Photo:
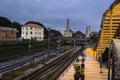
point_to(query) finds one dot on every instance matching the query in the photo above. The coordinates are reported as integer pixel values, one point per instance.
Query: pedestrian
(83, 59)
(76, 66)
(77, 75)
(82, 75)
(83, 65)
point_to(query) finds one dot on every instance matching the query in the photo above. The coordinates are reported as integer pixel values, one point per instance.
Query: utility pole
(29, 46)
(49, 39)
(74, 43)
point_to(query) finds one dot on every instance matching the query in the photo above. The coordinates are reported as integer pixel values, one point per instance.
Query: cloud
(55, 12)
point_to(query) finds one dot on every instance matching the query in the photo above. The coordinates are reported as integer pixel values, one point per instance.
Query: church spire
(67, 25)
(68, 32)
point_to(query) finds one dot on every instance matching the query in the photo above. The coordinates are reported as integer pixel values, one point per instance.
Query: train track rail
(52, 70)
(12, 65)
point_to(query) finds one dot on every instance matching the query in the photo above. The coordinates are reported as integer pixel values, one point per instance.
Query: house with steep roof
(32, 31)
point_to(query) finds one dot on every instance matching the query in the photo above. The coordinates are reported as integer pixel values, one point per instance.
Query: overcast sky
(81, 13)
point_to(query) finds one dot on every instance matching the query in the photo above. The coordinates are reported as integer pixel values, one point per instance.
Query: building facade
(68, 32)
(88, 31)
(32, 31)
(7, 33)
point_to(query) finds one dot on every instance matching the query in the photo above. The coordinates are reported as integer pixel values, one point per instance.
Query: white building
(88, 31)
(32, 31)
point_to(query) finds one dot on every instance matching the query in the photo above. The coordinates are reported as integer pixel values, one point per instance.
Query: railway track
(12, 65)
(52, 70)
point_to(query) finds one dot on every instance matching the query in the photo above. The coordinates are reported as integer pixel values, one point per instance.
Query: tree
(5, 22)
(18, 27)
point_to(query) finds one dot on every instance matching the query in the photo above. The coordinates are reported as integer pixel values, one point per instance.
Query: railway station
(75, 56)
(92, 70)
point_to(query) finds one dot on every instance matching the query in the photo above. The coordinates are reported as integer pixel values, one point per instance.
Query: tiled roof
(32, 25)
(7, 28)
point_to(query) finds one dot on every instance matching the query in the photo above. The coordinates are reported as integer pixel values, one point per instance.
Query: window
(31, 33)
(26, 28)
(26, 33)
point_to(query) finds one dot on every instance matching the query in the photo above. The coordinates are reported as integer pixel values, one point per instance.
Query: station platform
(92, 70)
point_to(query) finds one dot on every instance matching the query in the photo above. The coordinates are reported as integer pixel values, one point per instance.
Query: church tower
(67, 25)
(68, 32)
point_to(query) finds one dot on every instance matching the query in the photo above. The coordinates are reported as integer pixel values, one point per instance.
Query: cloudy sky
(53, 13)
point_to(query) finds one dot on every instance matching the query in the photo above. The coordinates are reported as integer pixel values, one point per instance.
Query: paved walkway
(92, 70)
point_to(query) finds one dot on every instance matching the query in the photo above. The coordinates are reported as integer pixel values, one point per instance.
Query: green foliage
(18, 27)
(5, 22)
(16, 50)
(55, 33)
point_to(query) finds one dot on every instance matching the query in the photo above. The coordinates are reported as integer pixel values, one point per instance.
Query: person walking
(76, 65)
(77, 75)
(82, 75)
(83, 65)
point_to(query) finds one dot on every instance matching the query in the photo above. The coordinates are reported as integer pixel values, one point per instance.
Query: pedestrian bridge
(107, 48)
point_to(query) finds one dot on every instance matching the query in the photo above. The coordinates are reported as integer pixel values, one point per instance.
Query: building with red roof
(32, 31)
